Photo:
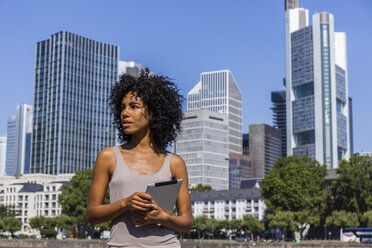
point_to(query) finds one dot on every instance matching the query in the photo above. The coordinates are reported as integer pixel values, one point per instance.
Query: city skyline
(181, 41)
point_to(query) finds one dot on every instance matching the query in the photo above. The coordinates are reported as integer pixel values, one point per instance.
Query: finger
(141, 204)
(144, 196)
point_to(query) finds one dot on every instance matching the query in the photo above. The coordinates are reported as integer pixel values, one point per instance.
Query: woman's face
(134, 115)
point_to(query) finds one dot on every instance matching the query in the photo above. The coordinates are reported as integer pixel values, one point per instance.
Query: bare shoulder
(107, 153)
(177, 165)
(177, 160)
(106, 159)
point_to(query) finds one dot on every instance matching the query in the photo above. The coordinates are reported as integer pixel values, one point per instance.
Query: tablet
(165, 193)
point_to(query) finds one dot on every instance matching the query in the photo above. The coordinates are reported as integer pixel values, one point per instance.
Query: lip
(126, 123)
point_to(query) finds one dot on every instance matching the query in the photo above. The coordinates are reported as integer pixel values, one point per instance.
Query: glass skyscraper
(19, 141)
(218, 91)
(72, 121)
(317, 103)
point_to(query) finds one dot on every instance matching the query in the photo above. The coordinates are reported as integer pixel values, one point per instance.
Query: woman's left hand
(155, 215)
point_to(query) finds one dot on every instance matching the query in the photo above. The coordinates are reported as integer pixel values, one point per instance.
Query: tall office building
(19, 141)
(72, 121)
(264, 148)
(2, 155)
(279, 116)
(218, 91)
(203, 144)
(316, 87)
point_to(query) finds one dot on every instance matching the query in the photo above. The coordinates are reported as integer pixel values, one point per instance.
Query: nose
(124, 113)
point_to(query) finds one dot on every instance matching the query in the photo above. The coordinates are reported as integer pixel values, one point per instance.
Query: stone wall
(207, 244)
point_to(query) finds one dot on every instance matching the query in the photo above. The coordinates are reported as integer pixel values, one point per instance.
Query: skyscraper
(264, 148)
(72, 122)
(203, 144)
(279, 116)
(2, 155)
(316, 87)
(19, 141)
(218, 91)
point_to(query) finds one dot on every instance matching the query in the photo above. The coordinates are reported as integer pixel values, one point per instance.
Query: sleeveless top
(124, 232)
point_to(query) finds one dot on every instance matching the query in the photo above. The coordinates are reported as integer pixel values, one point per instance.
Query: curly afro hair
(162, 100)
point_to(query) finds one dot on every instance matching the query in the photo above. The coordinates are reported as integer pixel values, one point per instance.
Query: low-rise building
(228, 204)
(33, 195)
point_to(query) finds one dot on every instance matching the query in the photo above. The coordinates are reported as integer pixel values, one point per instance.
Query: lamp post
(325, 231)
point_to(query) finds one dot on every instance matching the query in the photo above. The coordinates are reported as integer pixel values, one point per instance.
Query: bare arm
(97, 212)
(184, 220)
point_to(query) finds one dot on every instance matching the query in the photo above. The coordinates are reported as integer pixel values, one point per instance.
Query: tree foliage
(342, 219)
(295, 185)
(12, 225)
(2, 225)
(74, 197)
(367, 218)
(46, 226)
(201, 187)
(66, 222)
(284, 220)
(8, 211)
(252, 224)
(352, 191)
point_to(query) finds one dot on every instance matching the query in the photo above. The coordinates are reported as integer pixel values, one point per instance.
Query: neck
(142, 142)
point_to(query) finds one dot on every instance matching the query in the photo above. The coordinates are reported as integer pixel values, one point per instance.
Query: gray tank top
(125, 182)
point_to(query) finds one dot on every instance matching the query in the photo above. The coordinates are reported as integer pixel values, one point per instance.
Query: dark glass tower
(279, 116)
(72, 122)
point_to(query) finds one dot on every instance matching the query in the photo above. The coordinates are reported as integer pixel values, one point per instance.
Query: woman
(147, 114)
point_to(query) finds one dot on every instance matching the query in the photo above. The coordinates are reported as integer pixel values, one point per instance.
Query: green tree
(46, 226)
(74, 197)
(200, 225)
(12, 225)
(8, 211)
(295, 185)
(2, 225)
(201, 187)
(283, 220)
(66, 222)
(342, 219)
(252, 224)
(352, 191)
(367, 218)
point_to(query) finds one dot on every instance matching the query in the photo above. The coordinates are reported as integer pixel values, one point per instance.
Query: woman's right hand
(139, 201)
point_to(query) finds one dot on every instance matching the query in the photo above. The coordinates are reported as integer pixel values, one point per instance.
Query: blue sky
(181, 39)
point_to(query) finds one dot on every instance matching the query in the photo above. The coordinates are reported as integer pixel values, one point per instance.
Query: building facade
(33, 195)
(264, 148)
(228, 204)
(19, 135)
(203, 144)
(2, 155)
(279, 116)
(317, 103)
(240, 167)
(218, 91)
(72, 121)
(130, 68)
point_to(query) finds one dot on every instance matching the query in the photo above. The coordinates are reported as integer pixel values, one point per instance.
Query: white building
(203, 144)
(33, 195)
(2, 155)
(131, 68)
(19, 141)
(218, 91)
(316, 87)
(228, 204)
